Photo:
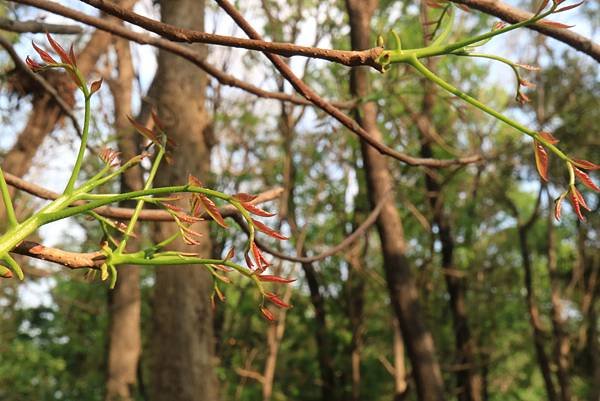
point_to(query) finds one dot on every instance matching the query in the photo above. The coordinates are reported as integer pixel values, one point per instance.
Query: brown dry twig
(189, 54)
(514, 15)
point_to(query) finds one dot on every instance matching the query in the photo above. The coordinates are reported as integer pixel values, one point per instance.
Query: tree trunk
(534, 316)
(401, 285)
(124, 337)
(468, 379)
(182, 339)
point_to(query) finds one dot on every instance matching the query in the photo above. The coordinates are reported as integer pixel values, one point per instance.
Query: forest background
(457, 282)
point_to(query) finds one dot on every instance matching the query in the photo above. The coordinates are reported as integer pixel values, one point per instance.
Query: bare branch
(176, 34)
(38, 27)
(333, 111)
(189, 54)
(514, 15)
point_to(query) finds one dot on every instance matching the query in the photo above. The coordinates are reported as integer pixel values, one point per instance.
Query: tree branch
(515, 15)
(121, 213)
(38, 27)
(333, 111)
(346, 57)
(189, 54)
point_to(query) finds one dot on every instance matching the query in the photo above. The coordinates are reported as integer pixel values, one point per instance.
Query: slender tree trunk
(534, 316)
(124, 301)
(401, 285)
(468, 378)
(400, 383)
(562, 344)
(182, 339)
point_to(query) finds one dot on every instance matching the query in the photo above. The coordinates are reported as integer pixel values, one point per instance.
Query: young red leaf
(248, 261)
(555, 25)
(230, 254)
(244, 197)
(569, 7)
(276, 300)
(72, 56)
(528, 67)
(212, 210)
(267, 314)
(157, 120)
(549, 137)
(95, 87)
(575, 204)
(586, 165)
(275, 279)
(541, 160)
(558, 207)
(219, 294)
(64, 57)
(543, 5)
(261, 262)
(33, 65)
(43, 54)
(580, 198)
(268, 230)
(144, 131)
(192, 180)
(256, 210)
(586, 180)
(222, 268)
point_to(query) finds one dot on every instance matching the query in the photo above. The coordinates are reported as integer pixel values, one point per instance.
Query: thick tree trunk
(124, 336)
(182, 339)
(401, 285)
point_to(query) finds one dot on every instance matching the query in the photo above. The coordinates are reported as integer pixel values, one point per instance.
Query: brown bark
(182, 339)
(401, 285)
(124, 302)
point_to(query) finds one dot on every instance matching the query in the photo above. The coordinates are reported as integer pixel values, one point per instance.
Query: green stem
(10, 210)
(83, 144)
(140, 204)
(469, 99)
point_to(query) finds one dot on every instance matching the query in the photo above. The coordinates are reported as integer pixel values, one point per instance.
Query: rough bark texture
(182, 339)
(401, 285)
(124, 336)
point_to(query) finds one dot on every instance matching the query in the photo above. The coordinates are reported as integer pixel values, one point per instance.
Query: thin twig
(333, 111)
(191, 55)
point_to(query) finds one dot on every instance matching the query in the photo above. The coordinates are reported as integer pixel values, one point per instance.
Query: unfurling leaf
(549, 137)
(44, 54)
(64, 57)
(575, 203)
(276, 300)
(144, 131)
(261, 262)
(528, 67)
(580, 198)
(569, 7)
(95, 87)
(275, 279)
(268, 230)
(212, 210)
(555, 25)
(244, 197)
(72, 56)
(267, 314)
(558, 206)
(33, 65)
(5, 272)
(586, 180)
(541, 160)
(256, 210)
(586, 165)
